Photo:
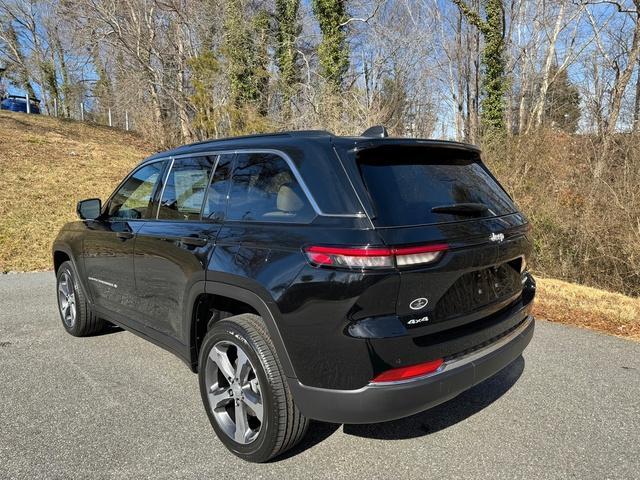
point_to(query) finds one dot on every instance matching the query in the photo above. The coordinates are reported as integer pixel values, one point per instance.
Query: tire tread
(87, 322)
(292, 425)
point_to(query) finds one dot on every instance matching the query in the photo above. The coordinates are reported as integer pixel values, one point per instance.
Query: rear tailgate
(421, 194)
(475, 277)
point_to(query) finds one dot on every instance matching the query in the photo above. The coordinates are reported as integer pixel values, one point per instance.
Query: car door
(107, 250)
(172, 250)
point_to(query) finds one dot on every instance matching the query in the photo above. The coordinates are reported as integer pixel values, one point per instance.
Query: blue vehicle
(16, 103)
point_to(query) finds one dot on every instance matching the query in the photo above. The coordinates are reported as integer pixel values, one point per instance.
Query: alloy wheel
(234, 392)
(67, 299)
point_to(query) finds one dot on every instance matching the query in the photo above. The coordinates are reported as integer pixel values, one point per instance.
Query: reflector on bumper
(406, 373)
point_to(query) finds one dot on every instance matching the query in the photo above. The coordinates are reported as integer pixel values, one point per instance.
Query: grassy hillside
(588, 307)
(47, 165)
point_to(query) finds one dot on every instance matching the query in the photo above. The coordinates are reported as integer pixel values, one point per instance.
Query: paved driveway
(115, 406)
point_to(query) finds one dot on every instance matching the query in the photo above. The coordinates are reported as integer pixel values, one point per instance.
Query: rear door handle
(194, 241)
(124, 235)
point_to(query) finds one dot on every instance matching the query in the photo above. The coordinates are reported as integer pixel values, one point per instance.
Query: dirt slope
(46, 166)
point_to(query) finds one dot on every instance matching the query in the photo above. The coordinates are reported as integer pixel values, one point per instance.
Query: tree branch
(473, 16)
(364, 19)
(614, 3)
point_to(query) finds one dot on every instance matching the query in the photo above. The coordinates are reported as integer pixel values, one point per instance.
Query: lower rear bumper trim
(390, 401)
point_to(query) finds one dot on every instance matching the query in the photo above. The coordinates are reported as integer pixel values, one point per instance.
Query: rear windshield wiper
(468, 209)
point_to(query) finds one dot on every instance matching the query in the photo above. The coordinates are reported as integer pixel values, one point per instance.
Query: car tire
(240, 377)
(75, 312)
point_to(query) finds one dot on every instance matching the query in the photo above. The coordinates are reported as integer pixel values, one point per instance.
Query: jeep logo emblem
(418, 303)
(496, 237)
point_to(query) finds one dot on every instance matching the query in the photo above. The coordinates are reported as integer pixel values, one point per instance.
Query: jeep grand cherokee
(304, 276)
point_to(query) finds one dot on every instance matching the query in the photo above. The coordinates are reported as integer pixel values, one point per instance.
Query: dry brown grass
(588, 307)
(46, 166)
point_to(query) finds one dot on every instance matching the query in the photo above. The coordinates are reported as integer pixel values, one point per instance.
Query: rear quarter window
(264, 189)
(406, 183)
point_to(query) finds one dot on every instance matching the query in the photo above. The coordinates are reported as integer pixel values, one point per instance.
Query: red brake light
(406, 373)
(350, 257)
(374, 257)
(435, 247)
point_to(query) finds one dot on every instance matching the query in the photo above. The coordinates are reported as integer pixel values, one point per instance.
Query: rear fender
(266, 308)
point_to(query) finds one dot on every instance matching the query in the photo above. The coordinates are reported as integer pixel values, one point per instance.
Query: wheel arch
(257, 303)
(62, 253)
(59, 257)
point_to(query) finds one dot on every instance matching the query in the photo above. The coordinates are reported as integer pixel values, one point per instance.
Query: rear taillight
(374, 257)
(350, 257)
(407, 373)
(419, 255)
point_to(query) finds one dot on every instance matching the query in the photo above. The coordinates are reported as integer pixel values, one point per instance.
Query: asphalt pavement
(116, 406)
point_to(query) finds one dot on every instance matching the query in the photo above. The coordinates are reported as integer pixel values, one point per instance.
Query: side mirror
(89, 209)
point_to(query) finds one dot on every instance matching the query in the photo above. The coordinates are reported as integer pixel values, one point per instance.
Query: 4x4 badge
(496, 237)
(418, 303)
(415, 321)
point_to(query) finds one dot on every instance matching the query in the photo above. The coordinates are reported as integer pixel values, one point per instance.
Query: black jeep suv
(307, 276)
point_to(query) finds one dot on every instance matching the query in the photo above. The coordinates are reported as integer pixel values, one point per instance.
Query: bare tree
(624, 73)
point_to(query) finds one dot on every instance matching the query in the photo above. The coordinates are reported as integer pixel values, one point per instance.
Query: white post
(28, 103)
(82, 111)
(55, 107)
(126, 120)
(110, 124)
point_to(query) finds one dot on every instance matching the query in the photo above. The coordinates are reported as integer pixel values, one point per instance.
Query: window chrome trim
(164, 184)
(353, 187)
(272, 151)
(206, 193)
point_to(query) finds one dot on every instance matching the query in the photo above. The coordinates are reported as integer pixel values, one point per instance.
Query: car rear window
(405, 183)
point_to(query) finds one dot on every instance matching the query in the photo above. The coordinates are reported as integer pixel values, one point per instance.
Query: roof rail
(377, 131)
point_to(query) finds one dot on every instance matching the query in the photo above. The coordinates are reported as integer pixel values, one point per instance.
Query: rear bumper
(382, 402)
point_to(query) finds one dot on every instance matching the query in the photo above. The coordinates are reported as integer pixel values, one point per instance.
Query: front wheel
(75, 312)
(244, 391)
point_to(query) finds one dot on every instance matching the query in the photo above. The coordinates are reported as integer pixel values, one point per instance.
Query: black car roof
(293, 138)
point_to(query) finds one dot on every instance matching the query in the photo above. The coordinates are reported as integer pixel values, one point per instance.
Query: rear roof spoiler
(363, 143)
(377, 131)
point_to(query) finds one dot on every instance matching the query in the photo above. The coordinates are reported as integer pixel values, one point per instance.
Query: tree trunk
(183, 115)
(64, 72)
(538, 109)
(459, 92)
(623, 80)
(474, 106)
(636, 106)
(157, 111)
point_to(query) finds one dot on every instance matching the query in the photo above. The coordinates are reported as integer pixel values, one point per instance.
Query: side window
(133, 198)
(183, 192)
(264, 189)
(216, 203)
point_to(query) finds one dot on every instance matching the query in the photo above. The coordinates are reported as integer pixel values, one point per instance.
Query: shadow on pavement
(318, 431)
(108, 330)
(433, 420)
